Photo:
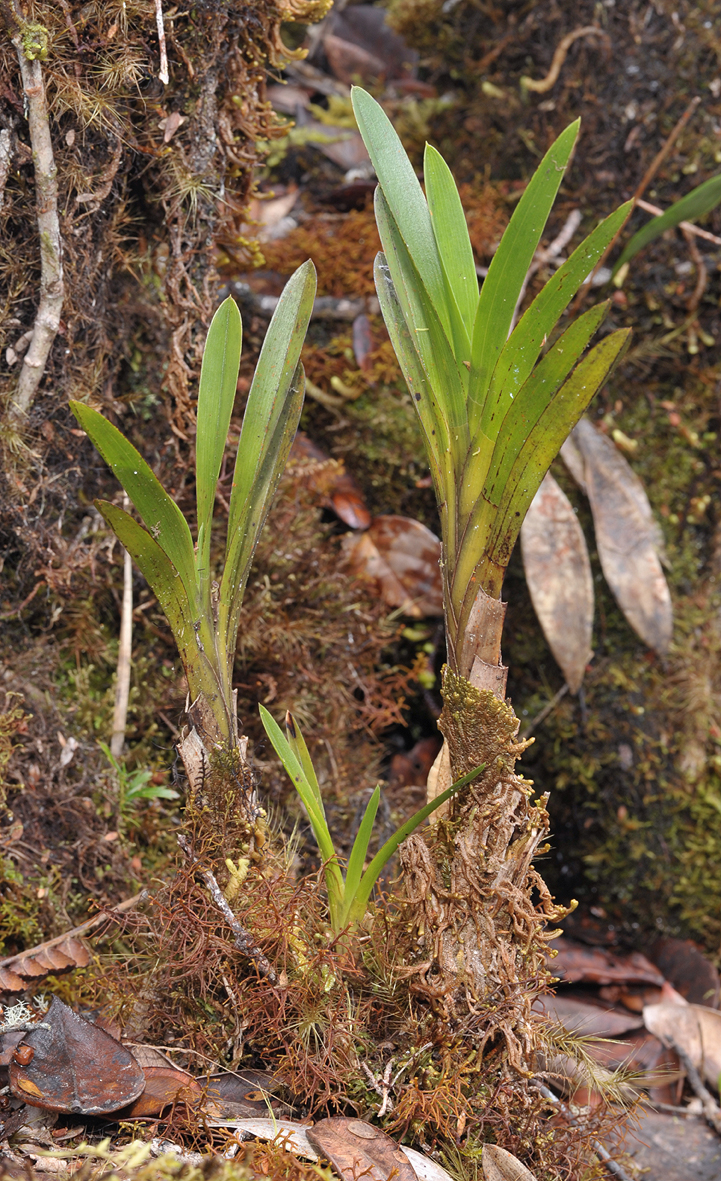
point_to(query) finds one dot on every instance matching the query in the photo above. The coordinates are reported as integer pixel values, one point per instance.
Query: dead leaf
(688, 970)
(360, 43)
(558, 573)
(585, 1017)
(77, 1067)
(400, 557)
(362, 341)
(334, 485)
(164, 1086)
(357, 1149)
(500, 1165)
(694, 1028)
(243, 1093)
(655, 1068)
(628, 537)
(575, 962)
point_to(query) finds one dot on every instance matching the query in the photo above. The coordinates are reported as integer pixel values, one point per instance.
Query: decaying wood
(47, 318)
(479, 933)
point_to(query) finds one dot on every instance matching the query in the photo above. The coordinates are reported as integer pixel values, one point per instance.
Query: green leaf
(160, 514)
(356, 903)
(331, 869)
(535, 395)
(503, 283)
(269, 426)
(546, 437)
(695, 204)
(297, 744)
(451, 233)
(521, 350)
(431, 342)
(360, 847)
(404, 196)
(216, 395)
(161, 576)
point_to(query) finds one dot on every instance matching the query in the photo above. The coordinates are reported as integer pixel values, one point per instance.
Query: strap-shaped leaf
(360, 845)
(695, 204)
(546, 438)
(451, 233)
(270, 459)
(161, 576)
(431, 341)
(159, 513)
(503, 283)
(419, 387)
(526, 341)
(404, 195)
(535, 395)
(297, 743)
(216, 395)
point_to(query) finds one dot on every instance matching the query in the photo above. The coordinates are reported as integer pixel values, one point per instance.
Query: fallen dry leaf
(400, 557)
(627, 535)
(164, 1086)
(357, 1149)
(583, 1016)
(332, 483)
(558, 573)
(694, 1028)
(360, 43)
(655, 1068)
(500, 1165)
(76, 1067)
(688, 970)
(576, 963)
(243, 1093)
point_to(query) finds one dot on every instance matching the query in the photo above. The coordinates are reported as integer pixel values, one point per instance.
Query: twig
(244, 941)
(386, 1084)
(701, 273)
(125, 652)
(6, 155)
(163, 74)
(559, 58)
(47, 319)
(682, 225)
(711, 1109)
(613, 1166)
(543, 714)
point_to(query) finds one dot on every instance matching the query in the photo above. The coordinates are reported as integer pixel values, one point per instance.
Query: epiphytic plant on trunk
(204, 612)
(494, 409)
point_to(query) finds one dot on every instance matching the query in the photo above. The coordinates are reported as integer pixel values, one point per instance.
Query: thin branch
(559, 57)
(163, 74)
(125, 652)
(682, 225)
(711, 1109)
(6, 155)
(244, 941)
(47, 319)
(613, 1166)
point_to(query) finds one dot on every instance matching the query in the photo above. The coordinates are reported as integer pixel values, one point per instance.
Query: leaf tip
(290, 724)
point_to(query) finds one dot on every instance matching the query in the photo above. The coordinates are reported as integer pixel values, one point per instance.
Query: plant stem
(47, 319)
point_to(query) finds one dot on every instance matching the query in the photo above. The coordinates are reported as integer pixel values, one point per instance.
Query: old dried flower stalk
(494, 409)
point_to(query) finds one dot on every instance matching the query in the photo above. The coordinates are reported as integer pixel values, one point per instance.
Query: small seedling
(135, 785)
(348, 896)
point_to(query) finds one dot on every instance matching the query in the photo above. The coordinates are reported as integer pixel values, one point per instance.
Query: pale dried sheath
(125, 648)
(47, 319)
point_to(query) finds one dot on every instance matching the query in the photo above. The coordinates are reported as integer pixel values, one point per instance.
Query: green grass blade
(695, 204)
(159, 513)
(360, 847)
(521, 350)
(355, 905)
(451, 233)
(535, 395)
(331, 869)
(546, 438)
(404, 195)
(426, 330)
(297, 744)
(159, 573)
(503, 283)
(216, 395)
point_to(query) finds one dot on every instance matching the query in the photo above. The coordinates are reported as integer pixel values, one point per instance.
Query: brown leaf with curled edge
(579, 1014)
(558, 573)
(357, 1149)
(76, 1067)
(693, 1028)
(628, 537)
(689, 971)
(577, 963)
(400, 557)
(242, 1093)
(164, 1087)
(328, 478)
(500, 1165)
